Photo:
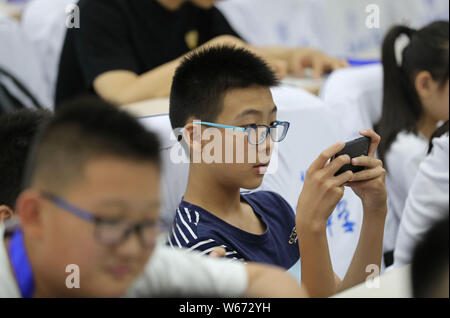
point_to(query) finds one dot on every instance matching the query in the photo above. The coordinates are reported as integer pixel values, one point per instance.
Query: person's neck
(426, 126)
(206, 192)
(171, 5)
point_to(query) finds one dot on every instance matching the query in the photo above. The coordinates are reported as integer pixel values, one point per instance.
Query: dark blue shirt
(197, 229)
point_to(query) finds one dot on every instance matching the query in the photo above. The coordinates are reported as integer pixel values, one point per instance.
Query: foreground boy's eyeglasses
(113, 232)
(257, 134)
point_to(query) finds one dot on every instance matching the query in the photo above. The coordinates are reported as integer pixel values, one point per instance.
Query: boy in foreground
(90, 207)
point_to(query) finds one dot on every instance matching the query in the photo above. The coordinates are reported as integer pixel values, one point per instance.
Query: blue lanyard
(21, 264)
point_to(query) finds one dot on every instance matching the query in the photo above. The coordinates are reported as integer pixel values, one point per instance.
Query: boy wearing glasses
(89, 220)
(224, 92)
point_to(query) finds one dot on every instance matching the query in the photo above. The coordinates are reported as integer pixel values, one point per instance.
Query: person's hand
(322, 191)
(369, 184)
(278, 66)
(301, 58)
(218, 252)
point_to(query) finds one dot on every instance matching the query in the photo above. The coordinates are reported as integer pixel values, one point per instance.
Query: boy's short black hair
(81, 130)
(17, 132)
(203, 78)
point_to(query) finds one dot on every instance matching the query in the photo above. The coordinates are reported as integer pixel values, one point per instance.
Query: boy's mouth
(261, 168)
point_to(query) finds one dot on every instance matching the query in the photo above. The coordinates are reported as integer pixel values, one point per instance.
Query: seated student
(127, 50)
(222, 90)
(427, 201)
(415, 64)
(17, 130)
(91, 205)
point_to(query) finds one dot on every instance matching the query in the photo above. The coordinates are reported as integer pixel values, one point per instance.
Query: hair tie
(400, 45)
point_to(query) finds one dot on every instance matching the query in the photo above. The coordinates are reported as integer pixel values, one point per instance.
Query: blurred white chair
(175, 164)
(355, 96)
(44, 23)
(22, 73)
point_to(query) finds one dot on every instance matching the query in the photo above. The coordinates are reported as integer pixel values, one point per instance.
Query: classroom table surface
(160, 106)
(393, 284)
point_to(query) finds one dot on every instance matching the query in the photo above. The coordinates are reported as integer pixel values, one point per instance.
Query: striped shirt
(195, 228)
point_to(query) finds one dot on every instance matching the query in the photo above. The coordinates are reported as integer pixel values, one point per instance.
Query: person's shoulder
(189, 231)
(406, 153)
(268, 200)
(92, 6)
(441, 143)
(408, 142)
(269, 196)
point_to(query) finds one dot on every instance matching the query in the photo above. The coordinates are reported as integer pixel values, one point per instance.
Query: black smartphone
(354, 148)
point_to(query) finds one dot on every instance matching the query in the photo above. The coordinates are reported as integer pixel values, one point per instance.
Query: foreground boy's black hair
(430, 262)
(17, 132)
(85, 129)
(204, 77)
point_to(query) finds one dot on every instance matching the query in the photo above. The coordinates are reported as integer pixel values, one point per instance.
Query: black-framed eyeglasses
(112, 232)
(257, 134)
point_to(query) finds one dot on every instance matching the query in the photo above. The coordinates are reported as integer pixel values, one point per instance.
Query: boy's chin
(253, 183)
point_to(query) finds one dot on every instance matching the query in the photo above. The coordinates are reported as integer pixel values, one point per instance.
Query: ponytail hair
(427, 50)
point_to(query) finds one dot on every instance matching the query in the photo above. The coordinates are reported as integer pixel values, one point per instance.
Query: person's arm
(270, 281)
(297, 59)
(125, 87)
(321, 193)
(427, 201)
(181, 273)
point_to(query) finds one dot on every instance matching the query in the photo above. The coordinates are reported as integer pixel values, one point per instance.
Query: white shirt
(402, 161)
(169, 272)
(8, 284)
(427, 201)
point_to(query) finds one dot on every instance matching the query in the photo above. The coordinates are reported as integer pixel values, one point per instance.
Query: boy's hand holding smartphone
(352, 164)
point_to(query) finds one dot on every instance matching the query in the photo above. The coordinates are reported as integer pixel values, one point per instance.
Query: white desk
(160, 106)
(393, 284)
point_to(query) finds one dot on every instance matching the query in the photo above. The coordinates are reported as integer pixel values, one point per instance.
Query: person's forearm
(157, 82)
(273, 52)
(369, 249)
(152, 84)
(317, 271)
(271, 282)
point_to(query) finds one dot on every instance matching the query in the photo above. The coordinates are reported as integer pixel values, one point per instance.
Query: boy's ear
(29, 211)
(5, 213)
(192, 136)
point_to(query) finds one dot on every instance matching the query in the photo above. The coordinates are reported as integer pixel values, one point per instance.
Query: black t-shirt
(132, 35)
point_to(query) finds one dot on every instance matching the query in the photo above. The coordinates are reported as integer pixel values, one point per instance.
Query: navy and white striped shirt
(197, 229)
